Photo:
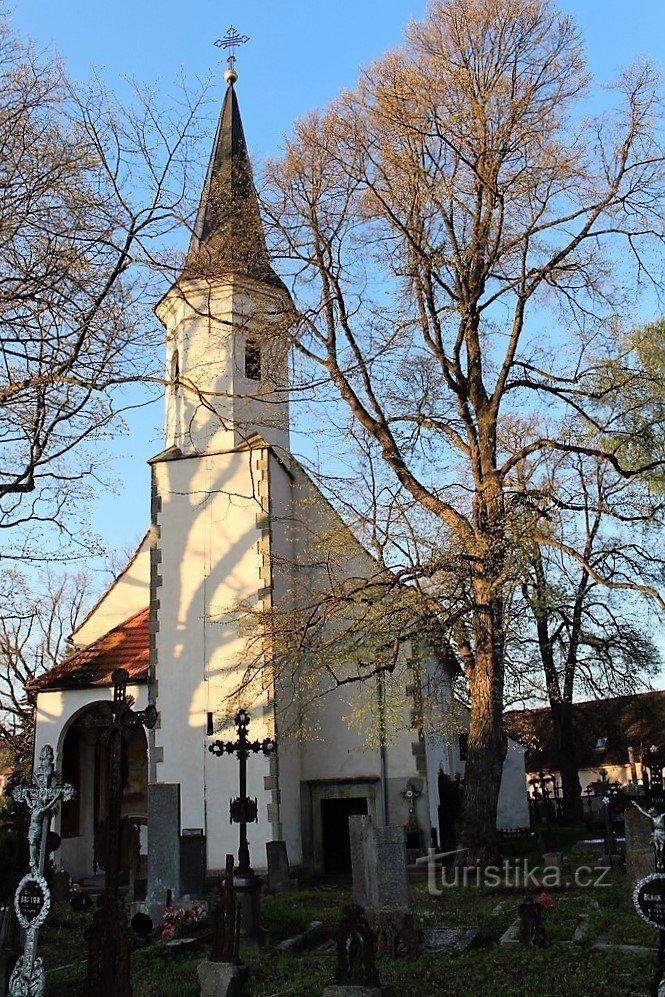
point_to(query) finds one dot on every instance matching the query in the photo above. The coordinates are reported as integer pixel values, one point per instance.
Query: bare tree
(89, 190)
(585, 579)
(39, 615)
(456, 230)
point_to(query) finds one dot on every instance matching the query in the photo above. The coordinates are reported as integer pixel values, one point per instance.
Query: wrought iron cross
(230, 41)
(117, 718)
(411, 794)
(243, 810)
(109, 951)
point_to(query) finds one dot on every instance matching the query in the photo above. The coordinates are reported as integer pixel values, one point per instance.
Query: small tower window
(175, 370)
(252, 360)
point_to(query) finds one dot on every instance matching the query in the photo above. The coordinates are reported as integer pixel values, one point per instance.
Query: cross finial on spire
(230, 41)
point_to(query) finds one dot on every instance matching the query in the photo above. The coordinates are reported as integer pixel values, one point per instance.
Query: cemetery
(562, 912)
(274, 757)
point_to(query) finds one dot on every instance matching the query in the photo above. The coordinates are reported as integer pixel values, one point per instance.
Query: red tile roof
(126, 646)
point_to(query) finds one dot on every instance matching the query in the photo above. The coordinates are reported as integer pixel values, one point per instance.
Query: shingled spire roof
(228, 235)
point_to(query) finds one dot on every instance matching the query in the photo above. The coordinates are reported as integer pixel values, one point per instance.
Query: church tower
(226, 425)
(226, 362)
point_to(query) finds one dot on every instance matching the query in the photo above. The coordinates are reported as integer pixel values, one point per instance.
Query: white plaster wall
(208, 562)
(56, 709)
(127, 596)
(54, 712)
(336, 748)
(289, 758)
(216, 407)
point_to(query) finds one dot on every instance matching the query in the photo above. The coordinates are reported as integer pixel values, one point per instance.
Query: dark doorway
(335, 815)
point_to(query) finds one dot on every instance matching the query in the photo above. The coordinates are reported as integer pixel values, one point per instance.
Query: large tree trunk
(487, 741)
(562, 722)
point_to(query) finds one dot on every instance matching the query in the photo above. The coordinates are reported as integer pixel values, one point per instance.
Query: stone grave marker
(380, 879)
(639, 851)
(356, 974)
(279, 875)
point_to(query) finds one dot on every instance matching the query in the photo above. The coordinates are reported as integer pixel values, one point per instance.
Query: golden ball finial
(230, 76)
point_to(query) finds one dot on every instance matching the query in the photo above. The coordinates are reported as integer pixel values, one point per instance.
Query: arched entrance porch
(83, 754)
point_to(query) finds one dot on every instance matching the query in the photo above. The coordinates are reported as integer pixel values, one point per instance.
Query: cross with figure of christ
(243, 810)
(42, 795)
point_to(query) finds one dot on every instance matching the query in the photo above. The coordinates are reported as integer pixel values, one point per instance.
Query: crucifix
(109, 944)
(411, 794)
(244, 811)
(230, 41)
(41, 796)
(33, 899)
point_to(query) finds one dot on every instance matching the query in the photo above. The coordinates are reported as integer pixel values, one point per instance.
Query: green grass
(561, 969)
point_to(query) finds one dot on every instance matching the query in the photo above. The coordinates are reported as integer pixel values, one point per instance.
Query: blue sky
(300, 55)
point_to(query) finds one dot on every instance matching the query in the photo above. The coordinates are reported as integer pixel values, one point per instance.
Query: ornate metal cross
(33, 899)
(243, 810)
(109, 955)
(411, 794)
(230, 41)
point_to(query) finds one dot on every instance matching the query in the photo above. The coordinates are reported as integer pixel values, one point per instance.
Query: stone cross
(243, 810)
(109, 943)
(33, 900)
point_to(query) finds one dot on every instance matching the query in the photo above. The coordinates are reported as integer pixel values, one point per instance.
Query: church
(241, 541)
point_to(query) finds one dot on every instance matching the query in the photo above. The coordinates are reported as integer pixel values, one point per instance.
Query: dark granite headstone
(163, 846)
(192, 862)
(649, 899)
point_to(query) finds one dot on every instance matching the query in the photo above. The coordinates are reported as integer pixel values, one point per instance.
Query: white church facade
(239, 532)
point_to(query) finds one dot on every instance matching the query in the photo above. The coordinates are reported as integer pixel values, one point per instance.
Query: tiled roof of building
(126, 646)
(604, 729)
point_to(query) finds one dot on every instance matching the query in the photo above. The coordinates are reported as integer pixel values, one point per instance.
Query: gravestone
(639, 851)
(649, 899)
(279, 875)
(380, 879)
(193, 863)
(164, 850)
(360, 833)
(356, 974)
(223, 975)
(378, 865)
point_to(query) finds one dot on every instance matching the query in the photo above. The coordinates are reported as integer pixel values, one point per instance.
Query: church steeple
(228, 236)
(225, 317)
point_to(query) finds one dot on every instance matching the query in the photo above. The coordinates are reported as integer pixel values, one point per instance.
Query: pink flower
(168, 933)
(545, 901)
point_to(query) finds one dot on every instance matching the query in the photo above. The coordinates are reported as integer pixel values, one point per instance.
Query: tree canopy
(458, 235)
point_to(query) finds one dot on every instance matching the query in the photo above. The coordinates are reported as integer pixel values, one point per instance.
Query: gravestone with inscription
(649, 899)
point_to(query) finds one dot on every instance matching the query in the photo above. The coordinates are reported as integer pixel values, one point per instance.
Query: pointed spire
(228, 235)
